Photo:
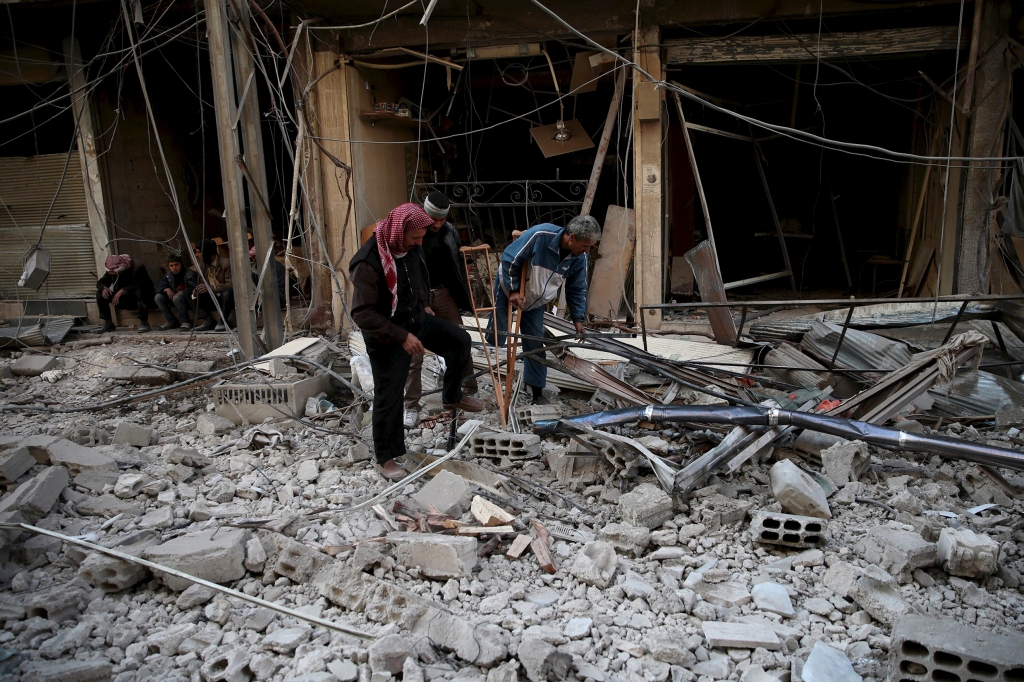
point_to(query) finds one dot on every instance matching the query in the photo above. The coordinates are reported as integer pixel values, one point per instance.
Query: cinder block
(132, 434)
(294, 560)
(535, 413)
(32, 365)
(966, 553)
(439, 557)
(14, 463)
(925, 648)
(35, 498)
(499, 444)
(788, 529)
(57, 604)
(646, 505)
(111, 574)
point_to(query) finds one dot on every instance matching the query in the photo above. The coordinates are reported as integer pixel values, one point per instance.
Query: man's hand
(169, 292)
(201, 289)
(117, 297)
(579, 329)
(106, 292)
(412, 345)
(516, 299)
(429, 311)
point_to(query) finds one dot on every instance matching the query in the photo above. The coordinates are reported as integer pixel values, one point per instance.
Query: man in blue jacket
(548, 256)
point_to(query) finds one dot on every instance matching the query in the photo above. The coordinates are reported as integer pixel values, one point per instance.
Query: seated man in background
(215, 270)
(126, 288)
(175, 287)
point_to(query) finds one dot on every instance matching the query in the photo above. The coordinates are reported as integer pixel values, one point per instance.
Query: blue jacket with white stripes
(538, 250)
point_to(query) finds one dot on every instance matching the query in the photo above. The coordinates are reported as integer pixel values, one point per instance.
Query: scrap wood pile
(639, 527)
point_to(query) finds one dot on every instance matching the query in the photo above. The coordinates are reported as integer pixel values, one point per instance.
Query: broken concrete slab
(33, 364)
(880, 599)
(543, 662)
(797, 492)
(626, 538)
(111, 574)
(69, 671)
(773, 598)
(845, 461)
(965, 553)
(132, 434)
(389, 653)
(108, 505)
(14, 463)
(447, 492)
(294, 560)
(34, 498)
(646, 505)
(210, 424)
(146, 376)
(730, 594)
(595, 564)
(76, 458)
(897, 551)
(828, 664)
(38, 445)
(740, 636)
(438, 557)
(214, 555)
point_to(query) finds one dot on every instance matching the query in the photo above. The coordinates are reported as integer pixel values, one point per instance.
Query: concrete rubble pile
(522, 558)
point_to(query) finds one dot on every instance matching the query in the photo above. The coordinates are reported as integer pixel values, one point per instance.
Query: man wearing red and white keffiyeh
(124, 287)
(390, 304)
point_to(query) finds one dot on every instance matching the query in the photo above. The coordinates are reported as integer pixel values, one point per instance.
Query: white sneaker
(412, 419)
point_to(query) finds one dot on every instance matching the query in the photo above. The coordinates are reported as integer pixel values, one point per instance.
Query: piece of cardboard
(544, 136)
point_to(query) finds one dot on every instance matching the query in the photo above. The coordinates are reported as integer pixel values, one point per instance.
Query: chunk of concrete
(96, 480)
(740, 635)
(130, 484)
(215, 555)
(358, 452)
(729, 594)
(844, 462)
(34, 498)
(446, 492)
(76, 458)
(69, 671)
(294, 560)
(33, 364)
(388, 654)
(209, 424)
(161, 517)
(880, 599)
(228, 663)
(646, 505)
(773, 598)
(797, 492)
(669, 648)
(828, 664)
(111, 574)
(147, 376)
(285, 640)
(595, 564)
(897, 551)
(965, 553)
(56, 604)
(132, 434)
(439, 557)
(626, 538)
(929, 648)
(14, 463)
(543, 662)
(108, 505)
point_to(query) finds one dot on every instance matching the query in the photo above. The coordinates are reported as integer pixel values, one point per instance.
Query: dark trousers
(390, 364)
(181, 302)
(535, 373)
(444, 307)
(226, 299)
(128, 301)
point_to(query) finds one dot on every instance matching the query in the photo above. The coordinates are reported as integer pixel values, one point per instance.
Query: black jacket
(135, 281)
(457, 281)
(371, 299)
(183, 282)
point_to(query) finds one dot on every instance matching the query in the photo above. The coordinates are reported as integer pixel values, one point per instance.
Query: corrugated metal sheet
(905, 314)
(27, 186)
(72, 264)
(780, 330)
(860, 350)
(976, 393)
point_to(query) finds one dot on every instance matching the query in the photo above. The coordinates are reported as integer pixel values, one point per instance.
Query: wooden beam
(647, 266)
(88, 154)
(252, 140)
(231, 178)
(806, 48)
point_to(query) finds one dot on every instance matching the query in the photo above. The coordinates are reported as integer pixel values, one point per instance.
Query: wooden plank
(602, 145)
(610, 270)
(519, 546)
(648, 270)
(541, 548)
(709, 280)
(483, 530)
(88, 153)
(806, 47)
(489, 514)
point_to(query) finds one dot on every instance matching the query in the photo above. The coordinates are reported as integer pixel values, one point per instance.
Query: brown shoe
(467, 404)
(391, 470)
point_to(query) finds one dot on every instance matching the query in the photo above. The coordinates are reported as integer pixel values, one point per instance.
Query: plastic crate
(277, 399)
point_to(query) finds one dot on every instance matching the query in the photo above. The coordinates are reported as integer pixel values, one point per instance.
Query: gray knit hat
(437, 205)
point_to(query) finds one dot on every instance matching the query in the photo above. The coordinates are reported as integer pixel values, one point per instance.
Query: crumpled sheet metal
(904, 314)
(860, 350)
(975, 393)
(628, 449)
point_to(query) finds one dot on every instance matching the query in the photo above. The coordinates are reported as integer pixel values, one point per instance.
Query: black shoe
(540, 400)
(169, 326)
(144, 327)
(108, 326)
(206, 326)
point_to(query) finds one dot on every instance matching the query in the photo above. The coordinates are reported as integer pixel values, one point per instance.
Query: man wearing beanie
(449, 294)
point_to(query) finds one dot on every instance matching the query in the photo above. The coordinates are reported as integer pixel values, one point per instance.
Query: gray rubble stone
(70, 671)
(194, 595)
(34, 499)
(578, 628)
(446, 492)
(227, 664)
(481, 644)
(147, 376)
(797, 492)
(844, 461)
(345, 671)
(308, 471)
(294, 560)
(33, 364)
(76, 458)
(130, 484)
(730, 594)
(595, 564)
(966, 553)
(161, 517)
(543, 662)
(626, 538)
(773, 598)
(828, 664)
(880, 599)
(38, 445)
(358, 452)
(68, 639)
(209, 424)
(897, 551)
(214, 555)
(14, 463)
(388, 654)
(111, 574)
(669, 648)
(438, 557)
(740, 635)
(132, 434)
(108, 505)
(285, 640)
(255, 556)
(95, 480)
(167, 640)
(411, 671)
(56, 604)
(646, 505)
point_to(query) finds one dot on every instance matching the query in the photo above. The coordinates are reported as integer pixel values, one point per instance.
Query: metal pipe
(843, 302)
(839, 344)
(755, 415)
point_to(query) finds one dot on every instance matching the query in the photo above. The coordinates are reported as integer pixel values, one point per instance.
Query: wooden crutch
(469, 253)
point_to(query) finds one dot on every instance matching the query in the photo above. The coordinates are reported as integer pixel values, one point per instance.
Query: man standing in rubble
(546, 256)
(449, 294)
(390, 304)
